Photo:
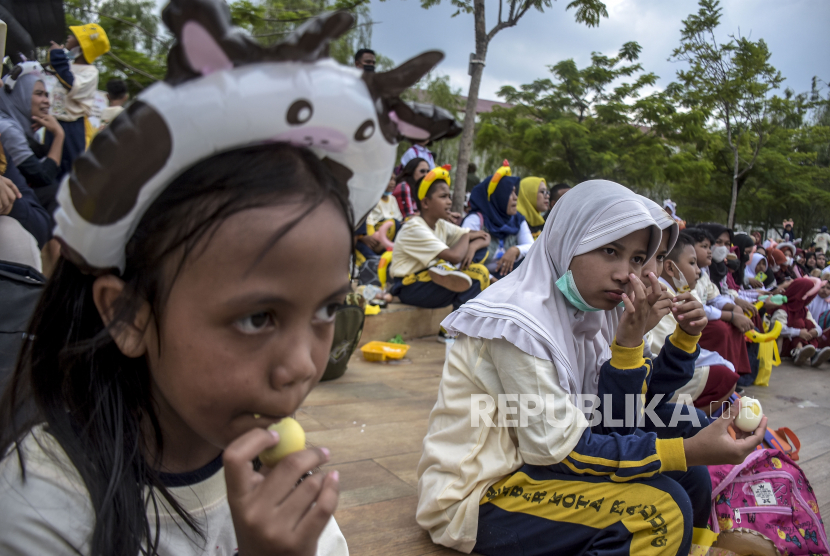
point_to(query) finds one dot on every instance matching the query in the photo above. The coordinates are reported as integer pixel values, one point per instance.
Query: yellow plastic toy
(381, 351)
(768, 356)
(370, 310)
(497, 176)
(383, 265)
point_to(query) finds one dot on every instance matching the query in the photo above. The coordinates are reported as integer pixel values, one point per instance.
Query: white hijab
(752, 265)
(528, 310)
(663, 220)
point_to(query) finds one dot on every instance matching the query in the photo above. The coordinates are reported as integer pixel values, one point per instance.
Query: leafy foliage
(731, 83)
(589, 123)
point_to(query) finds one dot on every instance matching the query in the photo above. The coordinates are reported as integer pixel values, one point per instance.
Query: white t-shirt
(50, 512)
(819, 305)
(417, 151)
(417, 245)
(386, 209)
(77, 102)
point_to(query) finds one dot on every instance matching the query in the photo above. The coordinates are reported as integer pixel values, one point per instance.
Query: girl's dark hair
(71, 376)
(429, 192)
(408, 172)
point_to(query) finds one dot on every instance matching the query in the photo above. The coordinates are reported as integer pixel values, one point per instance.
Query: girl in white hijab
(511, 462)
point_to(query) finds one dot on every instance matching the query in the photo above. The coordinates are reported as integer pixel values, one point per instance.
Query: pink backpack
(768, 495)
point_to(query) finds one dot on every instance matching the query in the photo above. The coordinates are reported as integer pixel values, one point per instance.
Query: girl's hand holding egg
(272, 514)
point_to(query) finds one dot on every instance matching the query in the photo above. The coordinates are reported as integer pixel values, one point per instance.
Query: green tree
(139, 44)
(589, 123)
(510, 12)
(731, 84)
(269, 21)
(436, 89)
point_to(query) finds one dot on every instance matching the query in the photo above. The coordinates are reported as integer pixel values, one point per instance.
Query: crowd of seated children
(410, 175)
(801, 331)
(727, 325)
(433, 259)
(553, 328)
(534, 203)
(714, 378)
(494, 209)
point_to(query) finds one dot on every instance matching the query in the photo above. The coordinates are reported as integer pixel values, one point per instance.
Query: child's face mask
(73, 53)
(719, 253)
(567, 286)
(681, 285)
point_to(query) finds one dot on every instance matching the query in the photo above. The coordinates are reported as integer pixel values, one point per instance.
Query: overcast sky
(797, 32)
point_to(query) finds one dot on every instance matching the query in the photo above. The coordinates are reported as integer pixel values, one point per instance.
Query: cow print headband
(224, 91)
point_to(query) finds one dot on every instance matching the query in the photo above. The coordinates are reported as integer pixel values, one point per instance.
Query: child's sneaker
(801, 356)
(447, 277)
(820, 357)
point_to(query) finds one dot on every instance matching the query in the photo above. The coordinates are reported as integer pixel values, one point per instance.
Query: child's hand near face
(638, 305)
(271, 513)
(689, 314)
(714, 446)
(660, 309)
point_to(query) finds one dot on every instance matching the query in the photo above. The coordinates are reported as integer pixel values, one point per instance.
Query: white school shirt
(417, 151)
(76, 103)
(656, 339)
(50, 512)
(417, 245)
(386, 209)
(524, 241)
(709, 295)
(460, 462)
(818, 306)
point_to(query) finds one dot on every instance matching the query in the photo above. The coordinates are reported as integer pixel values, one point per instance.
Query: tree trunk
(468, 131)
(733, 205)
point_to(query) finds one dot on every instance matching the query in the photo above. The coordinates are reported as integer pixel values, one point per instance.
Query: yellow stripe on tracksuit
(651, 515)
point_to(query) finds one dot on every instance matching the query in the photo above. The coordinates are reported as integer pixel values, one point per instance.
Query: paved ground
(374, 419)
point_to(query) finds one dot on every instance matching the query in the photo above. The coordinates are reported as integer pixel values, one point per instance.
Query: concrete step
(406, 320)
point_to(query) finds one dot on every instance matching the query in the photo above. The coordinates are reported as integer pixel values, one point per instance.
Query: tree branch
(132, 68)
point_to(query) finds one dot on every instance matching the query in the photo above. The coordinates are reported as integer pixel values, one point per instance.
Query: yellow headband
(494, 182)
(437, 173)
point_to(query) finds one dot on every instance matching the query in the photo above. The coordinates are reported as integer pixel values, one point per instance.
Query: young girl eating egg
(194, 304)
(523, 479)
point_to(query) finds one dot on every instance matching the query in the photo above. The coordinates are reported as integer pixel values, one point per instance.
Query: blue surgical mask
(568, 288)
(386, 194)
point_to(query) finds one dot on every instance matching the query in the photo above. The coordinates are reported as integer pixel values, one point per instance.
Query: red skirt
(728, 342)
(720, 383)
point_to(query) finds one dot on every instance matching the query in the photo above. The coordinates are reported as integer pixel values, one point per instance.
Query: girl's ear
(668, 268)
(129, 337)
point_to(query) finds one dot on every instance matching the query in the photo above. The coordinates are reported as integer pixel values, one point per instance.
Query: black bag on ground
(20, 289)
(348, 327)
